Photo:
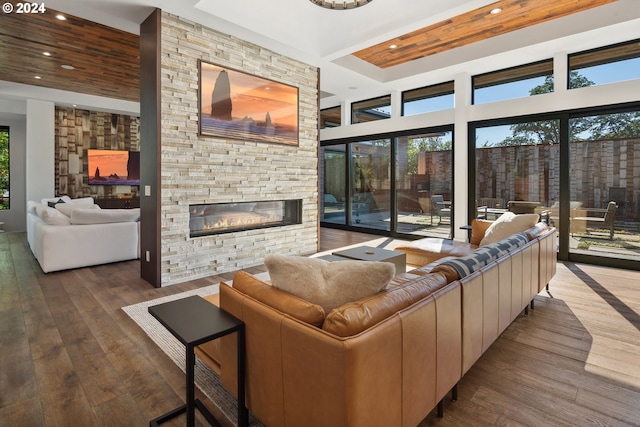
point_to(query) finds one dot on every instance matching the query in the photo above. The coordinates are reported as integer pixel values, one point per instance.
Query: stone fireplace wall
(197, 169)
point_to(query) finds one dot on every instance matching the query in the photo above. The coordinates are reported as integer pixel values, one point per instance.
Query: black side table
(195, 321)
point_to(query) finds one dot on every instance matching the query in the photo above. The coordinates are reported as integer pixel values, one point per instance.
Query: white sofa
(77, 233)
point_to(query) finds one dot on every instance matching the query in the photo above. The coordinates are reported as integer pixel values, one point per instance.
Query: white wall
(40, 176)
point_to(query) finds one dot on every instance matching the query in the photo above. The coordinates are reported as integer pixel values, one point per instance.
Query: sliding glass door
(517, 169)
(391, 185)
(424, 172)
(333, 186)
(604, 175)
(580, 169)
(371, 184)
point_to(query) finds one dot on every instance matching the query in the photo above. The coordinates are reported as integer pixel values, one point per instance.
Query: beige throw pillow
(328, 284)
(507, 224)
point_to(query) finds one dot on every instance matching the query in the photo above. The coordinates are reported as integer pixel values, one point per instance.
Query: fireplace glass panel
(218, 218)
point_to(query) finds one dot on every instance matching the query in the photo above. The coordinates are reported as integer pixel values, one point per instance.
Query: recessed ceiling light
(393, 46)
(46, 53)
(37, 77)
(68, 67)
(61, 17)
(496, 11)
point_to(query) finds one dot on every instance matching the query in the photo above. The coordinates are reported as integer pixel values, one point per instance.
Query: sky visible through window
(600, 74)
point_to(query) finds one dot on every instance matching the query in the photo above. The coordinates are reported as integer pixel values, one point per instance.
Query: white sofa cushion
(507, 224)
(64, 199)
(68, 208)
(83, 200)
(104, 216)
(51, 215)
(31, 207)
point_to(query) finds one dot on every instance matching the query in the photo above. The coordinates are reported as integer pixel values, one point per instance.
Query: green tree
(548, 131)
(4, 159)
(620, 125)
(4, 164)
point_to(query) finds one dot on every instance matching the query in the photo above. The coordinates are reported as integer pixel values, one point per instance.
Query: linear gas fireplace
(218, 218)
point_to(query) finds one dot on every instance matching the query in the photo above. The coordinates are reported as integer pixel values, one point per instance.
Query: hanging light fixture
(340, 4)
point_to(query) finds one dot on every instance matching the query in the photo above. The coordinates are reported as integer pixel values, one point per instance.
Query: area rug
(206, 380)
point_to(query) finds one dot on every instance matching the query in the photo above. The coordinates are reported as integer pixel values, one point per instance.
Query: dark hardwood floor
(69, 356)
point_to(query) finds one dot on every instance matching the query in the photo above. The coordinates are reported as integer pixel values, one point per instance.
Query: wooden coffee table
(369, 253)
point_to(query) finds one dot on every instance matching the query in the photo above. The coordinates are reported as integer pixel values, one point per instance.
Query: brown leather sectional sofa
(384, 360)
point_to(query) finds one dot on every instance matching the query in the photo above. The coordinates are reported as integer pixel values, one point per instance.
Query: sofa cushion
(328, 284)
(104, 216)
(51, 215)
(54, 200)
(482, 256)
(507, 224)
(478, 229)
(354, 317)
(68, 208)
(282, 301)
(429, 249)
(83, 200)
(31, 206)
(535, 231)
(54, 203)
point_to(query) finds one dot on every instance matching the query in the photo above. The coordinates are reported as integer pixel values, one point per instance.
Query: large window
(4, 168)
(427, 99)
(330, 117)
(393, 184)
(517, 169)
(605, 65)
(423, 183)
(371, 110)
(604, 168)
(334, 183)
(371, 184)
(517, 82)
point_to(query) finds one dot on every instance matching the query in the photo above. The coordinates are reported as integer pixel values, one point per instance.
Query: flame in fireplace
(224, 220)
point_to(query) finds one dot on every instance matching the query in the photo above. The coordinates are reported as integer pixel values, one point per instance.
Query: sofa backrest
(354, 317)
(282, 301)
(481, 257)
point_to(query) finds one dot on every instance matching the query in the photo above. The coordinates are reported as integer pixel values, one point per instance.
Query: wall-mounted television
(113, 167)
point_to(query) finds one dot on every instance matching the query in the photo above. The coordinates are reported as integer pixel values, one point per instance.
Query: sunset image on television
(114, 167)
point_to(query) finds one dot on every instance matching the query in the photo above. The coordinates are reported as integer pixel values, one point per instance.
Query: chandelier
(341, 4)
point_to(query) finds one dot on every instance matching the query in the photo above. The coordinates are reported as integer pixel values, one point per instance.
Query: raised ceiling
(441, 37)
(37, 49)
(495, 19)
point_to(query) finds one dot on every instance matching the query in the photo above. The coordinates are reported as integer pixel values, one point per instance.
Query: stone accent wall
(78, 130)
(198, 169)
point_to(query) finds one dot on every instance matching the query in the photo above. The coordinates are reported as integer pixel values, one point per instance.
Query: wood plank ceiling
(471, 27)
(106, 61)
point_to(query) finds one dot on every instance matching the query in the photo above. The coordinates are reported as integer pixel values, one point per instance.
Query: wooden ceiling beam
(472, 27)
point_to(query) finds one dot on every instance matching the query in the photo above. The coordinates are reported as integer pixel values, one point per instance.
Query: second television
(113, 167)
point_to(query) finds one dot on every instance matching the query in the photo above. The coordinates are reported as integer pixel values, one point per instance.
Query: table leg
(243, 414)
(191, 361)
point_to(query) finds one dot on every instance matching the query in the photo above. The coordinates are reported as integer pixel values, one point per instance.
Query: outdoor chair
(439, 208)
(606, 220)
